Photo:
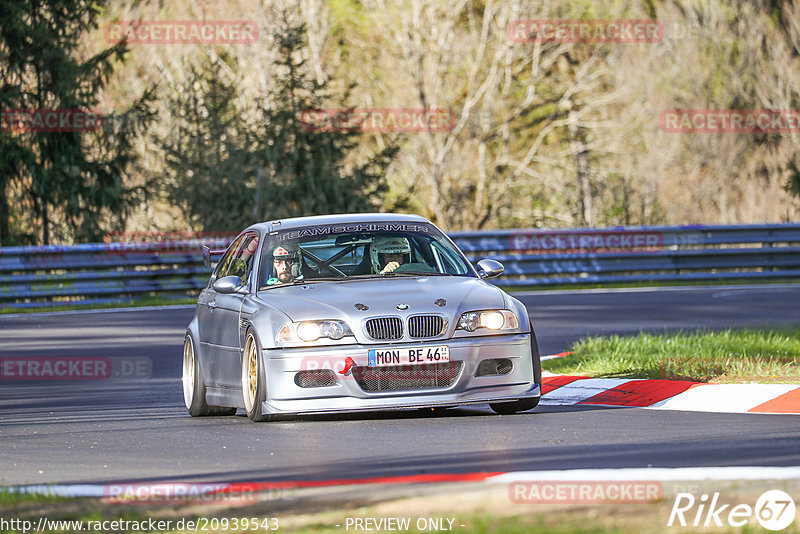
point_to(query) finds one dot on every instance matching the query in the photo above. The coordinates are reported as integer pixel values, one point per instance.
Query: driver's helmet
(291, 253)
(386, 244)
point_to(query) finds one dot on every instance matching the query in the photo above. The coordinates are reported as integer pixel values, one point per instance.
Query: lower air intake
(495, 366)
(407, 377)
(315, 379)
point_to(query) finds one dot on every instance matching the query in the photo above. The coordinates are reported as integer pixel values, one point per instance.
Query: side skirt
(218, 396)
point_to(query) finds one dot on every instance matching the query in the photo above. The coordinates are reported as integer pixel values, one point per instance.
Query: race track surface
(138, 430)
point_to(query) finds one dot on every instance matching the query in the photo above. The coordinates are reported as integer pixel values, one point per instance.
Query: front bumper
(285, 397)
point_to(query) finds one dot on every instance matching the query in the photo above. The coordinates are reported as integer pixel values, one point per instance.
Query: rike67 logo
(774, 510)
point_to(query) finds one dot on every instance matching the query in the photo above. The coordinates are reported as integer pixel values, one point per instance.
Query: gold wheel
(254, 385)
(250, 372)
(188, 372)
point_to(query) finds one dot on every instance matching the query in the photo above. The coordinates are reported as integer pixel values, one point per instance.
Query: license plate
(407, 356)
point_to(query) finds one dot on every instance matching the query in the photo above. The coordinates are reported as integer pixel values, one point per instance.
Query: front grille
(315, 379)
(407, 377)
(385, 328)
(426, 325)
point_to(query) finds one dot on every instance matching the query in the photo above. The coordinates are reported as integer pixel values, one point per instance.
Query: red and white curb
(565, 390)
(156, 491)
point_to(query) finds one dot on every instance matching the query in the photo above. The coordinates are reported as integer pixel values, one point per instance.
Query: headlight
(489, 319)
(309, 331)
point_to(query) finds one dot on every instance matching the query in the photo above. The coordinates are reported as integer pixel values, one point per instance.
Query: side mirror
(207, 253)
(490, 268)
(228, 284)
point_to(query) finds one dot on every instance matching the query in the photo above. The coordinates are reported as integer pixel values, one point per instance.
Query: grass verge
(728, 356)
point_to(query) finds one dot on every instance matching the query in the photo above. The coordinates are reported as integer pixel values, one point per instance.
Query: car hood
(337, 300)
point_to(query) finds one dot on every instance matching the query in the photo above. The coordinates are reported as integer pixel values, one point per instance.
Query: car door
(228, 329)
(206, 302)
(209, 325)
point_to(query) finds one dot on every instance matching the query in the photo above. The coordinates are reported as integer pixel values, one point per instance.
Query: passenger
(387, 253)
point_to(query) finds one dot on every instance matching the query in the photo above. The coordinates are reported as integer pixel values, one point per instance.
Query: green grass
(30, 507)
(734, 355)
(10, 499)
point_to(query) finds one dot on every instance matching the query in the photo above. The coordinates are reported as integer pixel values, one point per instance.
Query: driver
(387, 253)
(286, 259)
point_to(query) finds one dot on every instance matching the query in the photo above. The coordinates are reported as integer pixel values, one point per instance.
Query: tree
(793, 182)
(309, 171)
(209, 162)
(73, 181)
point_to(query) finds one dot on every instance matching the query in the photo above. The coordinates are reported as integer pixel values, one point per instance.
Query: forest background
(209, 137)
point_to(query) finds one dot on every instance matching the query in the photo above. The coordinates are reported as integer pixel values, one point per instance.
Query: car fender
(192, 330)
(266, 322)
(520, 311)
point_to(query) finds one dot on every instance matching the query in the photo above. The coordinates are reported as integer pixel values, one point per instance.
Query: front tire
(254, 383)
(194, 388)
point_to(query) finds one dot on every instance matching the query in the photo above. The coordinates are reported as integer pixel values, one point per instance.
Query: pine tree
(75, 179)
(307, 169)
(208, 157)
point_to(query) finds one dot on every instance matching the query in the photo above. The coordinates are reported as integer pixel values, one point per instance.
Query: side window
(244, 261)
(240, 261)
(225, 263)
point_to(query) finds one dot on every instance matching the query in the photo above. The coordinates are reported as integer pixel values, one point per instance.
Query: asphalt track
(138, 430)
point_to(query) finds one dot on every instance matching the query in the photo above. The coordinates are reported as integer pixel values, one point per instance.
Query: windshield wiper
(413, 273)
(284, 284)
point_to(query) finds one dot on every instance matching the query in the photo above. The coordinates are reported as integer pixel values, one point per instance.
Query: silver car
(347, 313)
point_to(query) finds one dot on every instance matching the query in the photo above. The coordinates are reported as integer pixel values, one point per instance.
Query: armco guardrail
(638, 254)
(96, 273)
(115, 272)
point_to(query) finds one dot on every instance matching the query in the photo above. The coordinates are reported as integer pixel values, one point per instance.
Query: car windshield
(362, 250)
